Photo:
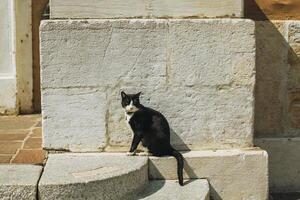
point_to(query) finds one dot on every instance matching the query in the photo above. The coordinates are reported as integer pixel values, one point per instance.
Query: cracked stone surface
(92, 176)
(19, 181)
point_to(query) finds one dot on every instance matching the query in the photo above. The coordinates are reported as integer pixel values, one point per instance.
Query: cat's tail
(180, 163)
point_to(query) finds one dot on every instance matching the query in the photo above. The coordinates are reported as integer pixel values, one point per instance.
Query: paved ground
(21, 139)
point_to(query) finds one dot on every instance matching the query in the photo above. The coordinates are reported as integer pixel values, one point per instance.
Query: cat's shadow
(177, 142)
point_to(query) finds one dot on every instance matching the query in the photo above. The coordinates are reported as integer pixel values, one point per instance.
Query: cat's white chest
(128, 116)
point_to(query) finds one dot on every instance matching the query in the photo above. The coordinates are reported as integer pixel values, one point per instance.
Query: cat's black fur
(152, 129)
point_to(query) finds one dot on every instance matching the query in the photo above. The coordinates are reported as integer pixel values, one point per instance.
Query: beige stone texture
(33, 143)
(5, 158)
(37, 132)
(10, 147)
(171, 190)
(201, 79)
(15, 123)
(19, 181)
(92, 176)
(74, 119)
(232, 174)
(145, 9)
(13, 136)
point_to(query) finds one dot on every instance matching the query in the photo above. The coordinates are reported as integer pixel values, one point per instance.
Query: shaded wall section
(38, 7)
(277, 92)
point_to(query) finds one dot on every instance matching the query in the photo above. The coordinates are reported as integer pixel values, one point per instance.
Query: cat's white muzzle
(131, 108)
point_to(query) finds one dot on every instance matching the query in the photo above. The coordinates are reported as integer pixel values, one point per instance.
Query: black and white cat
(151, 128)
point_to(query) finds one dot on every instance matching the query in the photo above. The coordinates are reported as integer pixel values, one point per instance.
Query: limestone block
(107, 52)
(196, 47)
(19, 181)
(232, 174)
(284, 162)
(146, 9)
(199, 118)
(200, 79)
(92, 176)
(221, 117)
(170, 189)
(74, 119)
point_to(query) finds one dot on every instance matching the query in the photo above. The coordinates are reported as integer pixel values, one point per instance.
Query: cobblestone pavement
(21, 139)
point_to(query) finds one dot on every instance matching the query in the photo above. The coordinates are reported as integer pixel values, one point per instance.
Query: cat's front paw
(144, 154)
(130, 153)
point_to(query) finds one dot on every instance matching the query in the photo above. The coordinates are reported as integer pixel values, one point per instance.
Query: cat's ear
(138, 94)
(123, 95)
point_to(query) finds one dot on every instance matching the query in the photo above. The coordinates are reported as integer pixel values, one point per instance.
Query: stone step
(197, 189)
(232, 174)
(19, 181)
(92, 176)
(145, 9)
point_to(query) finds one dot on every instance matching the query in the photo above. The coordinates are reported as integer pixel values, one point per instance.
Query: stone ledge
(146, 9)
(232, 174)
(92, 176)
(19, 181)
(170, 189)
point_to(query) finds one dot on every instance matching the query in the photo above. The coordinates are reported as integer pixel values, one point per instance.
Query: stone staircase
(221, 174)
(110, 176)
(200, 73)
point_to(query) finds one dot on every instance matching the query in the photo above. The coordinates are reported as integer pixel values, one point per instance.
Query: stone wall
(277, 100)
(199, 73)
(278, 79)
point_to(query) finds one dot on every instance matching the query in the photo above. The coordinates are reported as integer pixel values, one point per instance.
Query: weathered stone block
(74, 119)
(19, 181)
(92, 176)
(195, 47)
(232, 174)
(107, 52)
(202, 81)
(199, 118)
(145, 9)
(284, 162)
(169, 189)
